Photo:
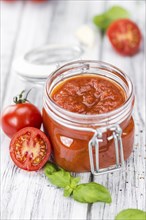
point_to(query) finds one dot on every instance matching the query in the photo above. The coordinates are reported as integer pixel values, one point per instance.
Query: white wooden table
(30, 195)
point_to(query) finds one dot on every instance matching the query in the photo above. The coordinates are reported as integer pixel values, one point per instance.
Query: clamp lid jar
(97, 142)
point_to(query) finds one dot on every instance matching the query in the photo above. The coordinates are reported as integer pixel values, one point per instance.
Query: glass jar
(98, 143)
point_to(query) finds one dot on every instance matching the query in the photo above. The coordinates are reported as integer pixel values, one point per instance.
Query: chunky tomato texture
(125, 36)
(30, 149)
(18, 116)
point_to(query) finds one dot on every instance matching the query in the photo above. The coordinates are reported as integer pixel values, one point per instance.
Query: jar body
(70, 147)
(70, 133)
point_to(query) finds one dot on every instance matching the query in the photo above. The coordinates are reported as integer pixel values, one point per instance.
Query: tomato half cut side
(30, 149)
(125, 36)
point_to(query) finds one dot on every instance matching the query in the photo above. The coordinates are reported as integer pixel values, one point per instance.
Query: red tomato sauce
(88, 94)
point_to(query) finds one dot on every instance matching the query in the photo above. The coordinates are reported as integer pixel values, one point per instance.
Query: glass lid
(37, 64)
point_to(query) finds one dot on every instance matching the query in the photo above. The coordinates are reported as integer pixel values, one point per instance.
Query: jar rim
(72, 115)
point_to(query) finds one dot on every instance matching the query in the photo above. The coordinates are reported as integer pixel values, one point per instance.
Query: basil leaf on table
(74, 181)
(105, 19)
(50, 168)
(60, 178)
(131, 214)
(91, 192)
(117, 12)
(86, 193)
(69, 189)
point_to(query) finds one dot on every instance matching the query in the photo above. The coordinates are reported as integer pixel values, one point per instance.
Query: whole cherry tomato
(20, 115)
(30, 149)
(125, 36)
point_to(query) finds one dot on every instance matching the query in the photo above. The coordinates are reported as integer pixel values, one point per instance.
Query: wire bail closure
(94, 143)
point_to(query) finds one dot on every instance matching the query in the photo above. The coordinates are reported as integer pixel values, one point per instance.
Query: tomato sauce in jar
(88, 94)
(85, 97)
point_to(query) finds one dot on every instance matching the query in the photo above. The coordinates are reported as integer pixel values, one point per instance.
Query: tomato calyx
(20, 99)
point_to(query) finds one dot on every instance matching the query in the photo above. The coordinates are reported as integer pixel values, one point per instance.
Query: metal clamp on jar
(93, 142)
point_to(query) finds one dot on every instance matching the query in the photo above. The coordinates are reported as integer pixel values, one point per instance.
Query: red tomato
(18, 116)
(30, 149)
(22, 114)
(125, 36)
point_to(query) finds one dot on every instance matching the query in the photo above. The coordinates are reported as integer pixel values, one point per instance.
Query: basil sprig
(131, 214)
(103, 20)
(85, 193)
(91, 192)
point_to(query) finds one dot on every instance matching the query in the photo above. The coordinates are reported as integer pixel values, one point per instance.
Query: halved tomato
(125, 36)
(30, 149)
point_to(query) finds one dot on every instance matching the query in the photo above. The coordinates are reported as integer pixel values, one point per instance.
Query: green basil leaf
(68, 191)
(103, 20)
(131, 214)
(74, 181)
(50, 168)
(117, 12)
(91, 192)
(60, 178)
(86, 193)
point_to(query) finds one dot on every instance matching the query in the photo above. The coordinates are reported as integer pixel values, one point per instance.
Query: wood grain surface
(24, 26)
